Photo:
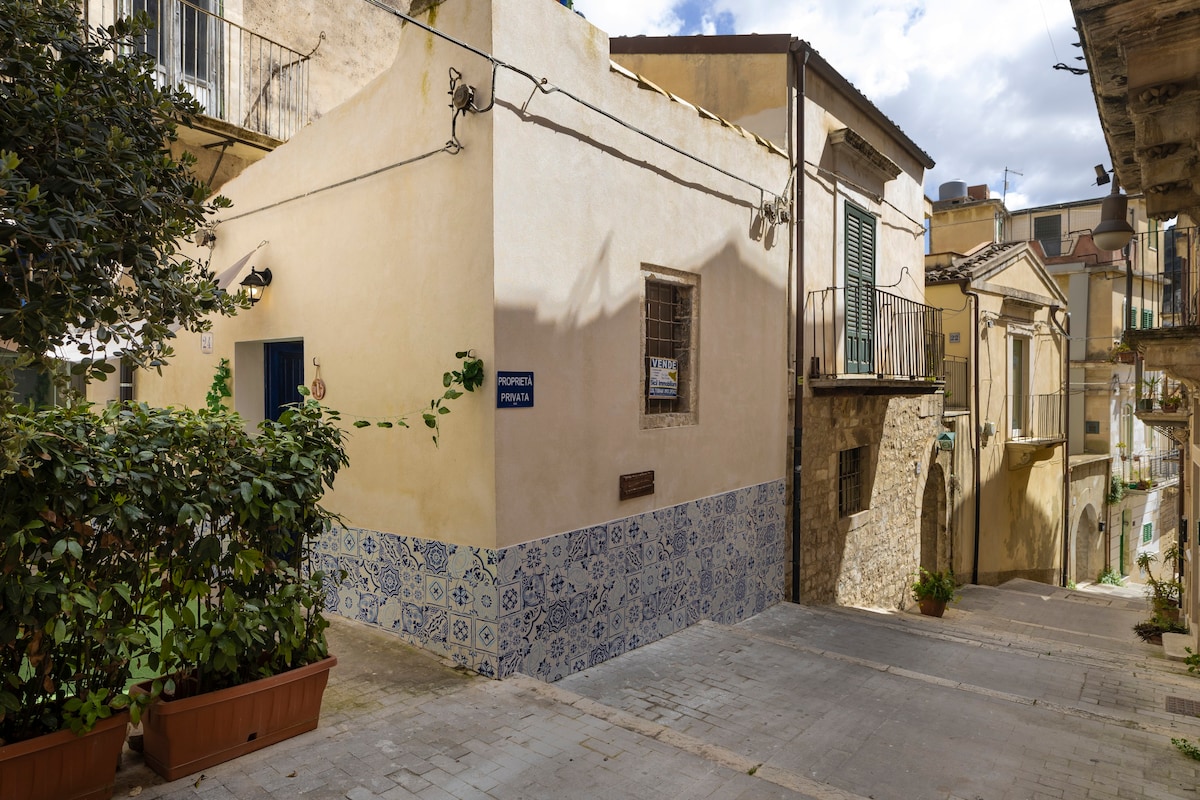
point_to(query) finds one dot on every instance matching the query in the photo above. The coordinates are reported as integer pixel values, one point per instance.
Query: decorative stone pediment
(852, 150)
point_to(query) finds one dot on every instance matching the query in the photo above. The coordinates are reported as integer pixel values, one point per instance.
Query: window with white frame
(1020, 380)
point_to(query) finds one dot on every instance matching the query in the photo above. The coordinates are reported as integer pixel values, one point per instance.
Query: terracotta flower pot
(185, 736)
(63, 766)
(931, 607)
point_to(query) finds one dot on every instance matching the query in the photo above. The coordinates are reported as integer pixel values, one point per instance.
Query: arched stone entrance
(1089, 546)
(933, 519)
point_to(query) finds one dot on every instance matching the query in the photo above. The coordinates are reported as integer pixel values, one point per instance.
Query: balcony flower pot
(63, 765)
(186, 735)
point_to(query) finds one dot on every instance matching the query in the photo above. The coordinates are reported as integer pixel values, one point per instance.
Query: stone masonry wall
(866, 558)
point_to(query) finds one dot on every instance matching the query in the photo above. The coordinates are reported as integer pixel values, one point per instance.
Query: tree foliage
(93, 207)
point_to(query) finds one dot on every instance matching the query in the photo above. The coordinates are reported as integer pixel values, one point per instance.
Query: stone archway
(933, 519)
(1089, 546)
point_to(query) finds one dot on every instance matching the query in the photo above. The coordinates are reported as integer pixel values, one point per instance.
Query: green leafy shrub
(1110, 577)
(138, 521)
(935, 586)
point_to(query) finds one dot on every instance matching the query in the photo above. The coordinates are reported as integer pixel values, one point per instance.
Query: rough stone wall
(866, 558)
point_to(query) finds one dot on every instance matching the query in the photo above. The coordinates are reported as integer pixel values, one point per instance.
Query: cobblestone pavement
(1021, 692)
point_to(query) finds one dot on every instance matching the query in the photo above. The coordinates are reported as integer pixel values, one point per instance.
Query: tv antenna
(1007, 172)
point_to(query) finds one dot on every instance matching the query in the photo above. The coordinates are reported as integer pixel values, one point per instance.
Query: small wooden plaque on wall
(637, 484)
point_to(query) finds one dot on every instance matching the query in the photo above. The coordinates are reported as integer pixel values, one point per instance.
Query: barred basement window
(670, 346)
(852, 465)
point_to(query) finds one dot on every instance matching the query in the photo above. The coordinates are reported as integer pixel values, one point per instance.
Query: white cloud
(972, 83)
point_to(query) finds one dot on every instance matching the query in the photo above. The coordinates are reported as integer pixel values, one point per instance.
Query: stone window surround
(690, 386)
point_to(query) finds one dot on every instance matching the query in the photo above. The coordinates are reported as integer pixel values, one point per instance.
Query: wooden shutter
(860, 291)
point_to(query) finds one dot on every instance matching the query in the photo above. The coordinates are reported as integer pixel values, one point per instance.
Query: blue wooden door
(283, 364)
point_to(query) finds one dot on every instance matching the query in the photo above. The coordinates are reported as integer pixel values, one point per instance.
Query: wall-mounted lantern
(1114, 230)
(256, 283)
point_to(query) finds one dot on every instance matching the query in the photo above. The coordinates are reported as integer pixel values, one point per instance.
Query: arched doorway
(933, 519)
(1089, 546)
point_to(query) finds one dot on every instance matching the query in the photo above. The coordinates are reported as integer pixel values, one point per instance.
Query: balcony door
(186, 45)
(860, 290)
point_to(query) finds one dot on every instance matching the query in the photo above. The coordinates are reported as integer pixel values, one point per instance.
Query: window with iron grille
(668, 373)
(852, 467)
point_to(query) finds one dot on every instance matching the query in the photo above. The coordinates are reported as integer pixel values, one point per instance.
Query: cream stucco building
(568, 232)
(872, 498)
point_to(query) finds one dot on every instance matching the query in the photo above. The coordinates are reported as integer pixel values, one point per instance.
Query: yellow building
(1003, 317)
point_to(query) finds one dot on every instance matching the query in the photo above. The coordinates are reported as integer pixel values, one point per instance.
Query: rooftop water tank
(952, 190)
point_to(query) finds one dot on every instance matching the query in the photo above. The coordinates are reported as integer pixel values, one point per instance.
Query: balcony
(1172, 341)
(244, 82)
(1151, 470)
(1035, 428)
(873, 342)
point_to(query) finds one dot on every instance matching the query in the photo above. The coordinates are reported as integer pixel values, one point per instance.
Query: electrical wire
(545, 87)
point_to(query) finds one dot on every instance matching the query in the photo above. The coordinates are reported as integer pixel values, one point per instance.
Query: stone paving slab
(1014, 694)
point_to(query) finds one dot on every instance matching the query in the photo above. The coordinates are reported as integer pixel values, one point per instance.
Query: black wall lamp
(256, 283)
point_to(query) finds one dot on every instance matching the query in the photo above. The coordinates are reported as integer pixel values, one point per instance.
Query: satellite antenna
(1007, 172)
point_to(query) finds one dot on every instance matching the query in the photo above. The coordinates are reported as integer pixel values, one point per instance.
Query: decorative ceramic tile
(559, 605)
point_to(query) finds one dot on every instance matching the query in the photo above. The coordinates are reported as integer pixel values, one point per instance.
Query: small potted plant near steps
(243, 659)
(933, 590)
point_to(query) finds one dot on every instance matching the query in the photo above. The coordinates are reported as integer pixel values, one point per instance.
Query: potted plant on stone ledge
(243, 659)
(933, 590)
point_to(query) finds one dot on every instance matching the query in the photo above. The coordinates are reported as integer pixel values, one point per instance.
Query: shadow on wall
(868, 557)
(1032, 546)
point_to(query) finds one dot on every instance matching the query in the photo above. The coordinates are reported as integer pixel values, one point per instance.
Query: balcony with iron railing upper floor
(872, 342)
(1035, 428)
(1172, 341)
(253, 91)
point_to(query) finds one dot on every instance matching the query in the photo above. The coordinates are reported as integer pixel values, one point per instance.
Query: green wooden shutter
(860, 291)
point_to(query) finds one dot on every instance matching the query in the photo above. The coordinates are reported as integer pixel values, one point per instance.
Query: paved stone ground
(1021, 692)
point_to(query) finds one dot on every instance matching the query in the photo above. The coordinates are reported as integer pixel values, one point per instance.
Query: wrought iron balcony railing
(955, 370)
(1151, 468)
(238, 76)
(1169, 279)
(871, 333)
(1035, 417)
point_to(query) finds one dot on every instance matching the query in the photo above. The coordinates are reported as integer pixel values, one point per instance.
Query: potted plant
(933, 590)
(1146, 402)
(1165, 594)
(71, 623)
(1121, 353)
(243, 659)
(1172, 401)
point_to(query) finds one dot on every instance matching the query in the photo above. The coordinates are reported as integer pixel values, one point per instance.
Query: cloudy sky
(970, 81)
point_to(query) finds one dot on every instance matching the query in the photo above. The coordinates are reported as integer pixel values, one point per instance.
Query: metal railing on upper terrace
(238, 76)
(1151, 468)
(1169, 279)
(870, 332)
(1035, 417)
